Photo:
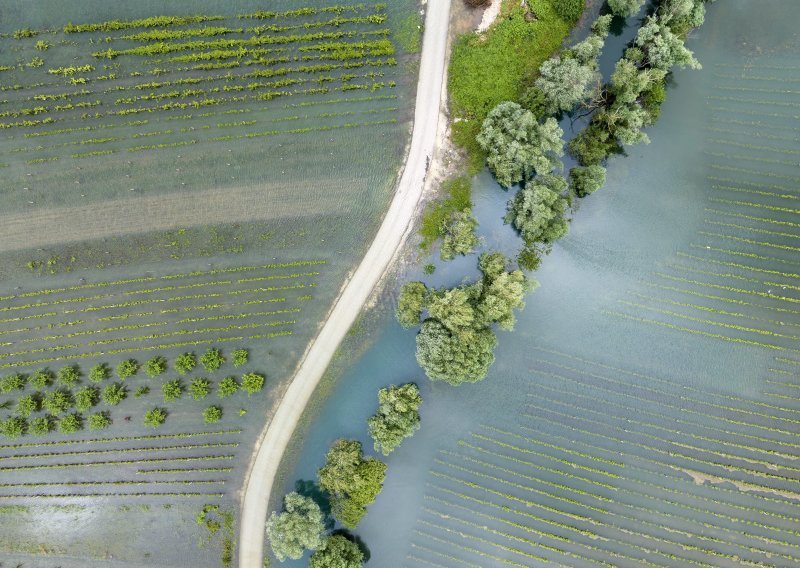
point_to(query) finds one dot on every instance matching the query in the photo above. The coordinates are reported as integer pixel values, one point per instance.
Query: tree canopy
(337, 552)
(537, 211)
(625, 8)
(299, 527)
(397, 417)
(518, 145)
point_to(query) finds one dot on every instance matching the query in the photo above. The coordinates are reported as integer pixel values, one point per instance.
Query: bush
(114, 393)
(99, 421)
(86, 398)
(127, 368)
(212, 414)
(155, 417)
(397, 417)
(28, 404)
(13, 427)
(70, 424)
(15, 381)
(586, 180)
(252, 383)
(410, 304)
(68, 376)
(185, 363)
(141, 391)
(240, 357)
(199, 388)
(227, 387)
(625, 8)
(172, 390)
(41, 425)
(212, 360)
(297, 528)
(57, 402)
(459, 235)
(156, 366)
(99, 373)
(337, 552)
(569, 10)
(42, 379)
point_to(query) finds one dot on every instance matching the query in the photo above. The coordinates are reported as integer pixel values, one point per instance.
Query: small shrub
(127, 368)
(43, 45)
(429, 269)
(141, 391)
(99, 421)
(240, 357)
(58, 402)
(212, 359)
(172, 390)
(155, 417)
(41, 425)
(185, 363)
(42, 379)
(68, 376)
(252, 383)
(99, 373)
(156, 366)
(212, 414)
(199, 388)
(227, 387)
(114, 393)
(28, 404)
(15, 381)
(13, 427)
(70, 424)
(569, 10)
(86, 398)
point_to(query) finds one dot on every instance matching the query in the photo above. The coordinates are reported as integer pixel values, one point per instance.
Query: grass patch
(409, 33)
(487, 69)
(458, 191)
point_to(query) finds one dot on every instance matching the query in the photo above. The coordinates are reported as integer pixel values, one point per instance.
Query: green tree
(172, 390)
(42, 379)
(99, 421)
(586, 180)
(410, 304)
(85, 398)
(252, 383)
(155, 417)
(156, 366)
(14, 381)
(127, 368)
(13, 427)
(337, 552)
(41, 425)
(70, 423)
(537, 210)
(397, 417)
(517, 145)
(625, 8)
(240, 357)
(185, 363)
(199, 388)
(569, 10)
(114, 393)
(352, 481)
(57, 402)
(227, 387)
(99, 373)
(452, 358)
(69, 375)
(28, 404)
(212, 359)
(299, 527)
(662, 47)
(212, 414)
(458, 235)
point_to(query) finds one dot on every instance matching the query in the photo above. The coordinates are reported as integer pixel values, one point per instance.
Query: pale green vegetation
(185, 363)
(155, 417)
(397, 417)
(337, 552)
(451, 220)
(156, 366)
(252, 383)
(299, 527)
(625, 8)
(127, 368)
(212, 415)
(212, 359)
(353, 482)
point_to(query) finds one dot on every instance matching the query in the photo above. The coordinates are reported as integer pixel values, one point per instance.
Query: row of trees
(349, 483)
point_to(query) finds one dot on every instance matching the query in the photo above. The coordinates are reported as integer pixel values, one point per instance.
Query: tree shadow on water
(362, 546)
(311, 489)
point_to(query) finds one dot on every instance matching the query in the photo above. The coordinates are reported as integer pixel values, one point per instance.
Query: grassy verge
(487, 69)
(457, 192)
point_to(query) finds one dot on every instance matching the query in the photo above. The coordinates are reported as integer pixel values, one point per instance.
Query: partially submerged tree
(337, 552)
(586, 180)
(397, 417)
(625, 8)
(299, 527)
(537, 211)
(458, 235)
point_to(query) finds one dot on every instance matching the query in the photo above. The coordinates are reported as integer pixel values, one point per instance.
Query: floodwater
(645, 411)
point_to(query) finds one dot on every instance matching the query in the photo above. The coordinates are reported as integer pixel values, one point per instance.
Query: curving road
(394, 230)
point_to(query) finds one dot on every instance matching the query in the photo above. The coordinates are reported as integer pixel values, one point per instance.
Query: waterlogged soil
(645, 408)
(266, 230)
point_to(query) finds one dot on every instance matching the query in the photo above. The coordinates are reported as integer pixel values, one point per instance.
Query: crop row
(750, 134)
(481, 553)
(117, 462)
(750, 112)
(122, 439)
(161, 347)
(749, 146)
(96, 495)
(100, 483)
(765, 174)
(750, 158)
(186, 470)
(338, 9)
(647, 514)
(760, 102)
(748, 228)
(751, 191)
(121, 450)
(730, 289)
(759, 124)
(201, 307)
